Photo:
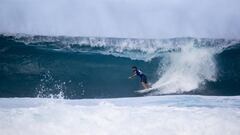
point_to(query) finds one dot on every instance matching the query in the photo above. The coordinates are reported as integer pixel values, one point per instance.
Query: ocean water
(171, 115)
(89, 67)
(79, 85)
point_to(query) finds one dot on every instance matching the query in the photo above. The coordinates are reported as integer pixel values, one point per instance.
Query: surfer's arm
(132, 76)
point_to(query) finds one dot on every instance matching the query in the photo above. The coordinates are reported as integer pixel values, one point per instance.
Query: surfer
(137, 72)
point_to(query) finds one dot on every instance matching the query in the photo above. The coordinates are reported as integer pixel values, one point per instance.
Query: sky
(122, 18)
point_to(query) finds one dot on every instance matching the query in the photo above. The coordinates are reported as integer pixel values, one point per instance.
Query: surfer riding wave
(143, 77)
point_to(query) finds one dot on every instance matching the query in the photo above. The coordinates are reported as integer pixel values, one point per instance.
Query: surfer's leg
(145, 85)
(144, 82)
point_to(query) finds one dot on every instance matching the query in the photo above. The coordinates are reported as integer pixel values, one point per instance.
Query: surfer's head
(134, 68)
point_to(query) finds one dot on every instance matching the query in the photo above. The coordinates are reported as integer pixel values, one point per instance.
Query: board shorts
(143, 78)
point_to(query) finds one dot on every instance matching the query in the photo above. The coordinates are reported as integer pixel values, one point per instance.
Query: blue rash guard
(141, 75)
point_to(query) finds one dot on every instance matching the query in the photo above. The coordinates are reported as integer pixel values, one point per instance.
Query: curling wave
(90, 67)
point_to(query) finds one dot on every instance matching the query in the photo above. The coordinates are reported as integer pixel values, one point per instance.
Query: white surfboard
(146, 90)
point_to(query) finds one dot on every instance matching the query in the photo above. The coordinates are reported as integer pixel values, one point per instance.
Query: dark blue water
(84, 67)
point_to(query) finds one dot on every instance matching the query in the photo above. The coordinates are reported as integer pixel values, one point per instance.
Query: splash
(51, 88)
(186, 70)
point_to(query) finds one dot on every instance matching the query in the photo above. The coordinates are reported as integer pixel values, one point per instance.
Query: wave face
(89, 67)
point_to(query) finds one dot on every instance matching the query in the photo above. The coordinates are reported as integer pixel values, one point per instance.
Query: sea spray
(52, 88)
(187, 69)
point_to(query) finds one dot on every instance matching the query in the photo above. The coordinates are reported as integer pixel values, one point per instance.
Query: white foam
(169, 115)
(135, 49)
(187, 69)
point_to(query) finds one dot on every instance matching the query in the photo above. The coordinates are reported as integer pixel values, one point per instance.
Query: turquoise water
(88, 67)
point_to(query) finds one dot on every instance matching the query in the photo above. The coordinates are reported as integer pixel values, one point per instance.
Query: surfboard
(146, 90)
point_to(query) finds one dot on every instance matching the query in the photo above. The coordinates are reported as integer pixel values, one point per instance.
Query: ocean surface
(169, 115)
(89, 67)
(60, 85)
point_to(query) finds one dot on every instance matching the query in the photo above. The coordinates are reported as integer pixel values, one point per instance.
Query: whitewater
(170, 115)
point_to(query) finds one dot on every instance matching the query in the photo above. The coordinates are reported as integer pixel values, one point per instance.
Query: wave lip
(135, 49)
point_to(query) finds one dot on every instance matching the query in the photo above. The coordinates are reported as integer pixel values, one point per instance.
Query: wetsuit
(141, 75)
